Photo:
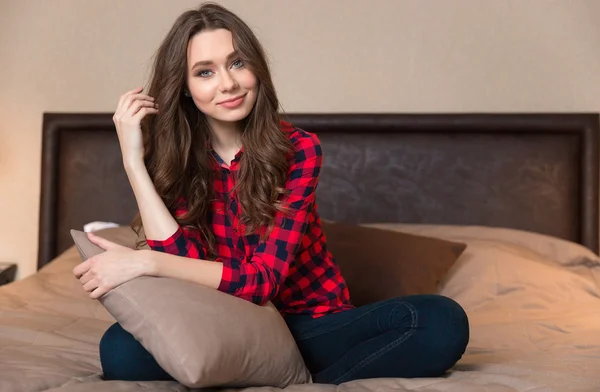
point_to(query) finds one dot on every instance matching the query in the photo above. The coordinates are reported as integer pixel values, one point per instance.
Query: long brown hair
(175, 140)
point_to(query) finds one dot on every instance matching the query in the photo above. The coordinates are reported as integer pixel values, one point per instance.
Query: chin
(232, 115)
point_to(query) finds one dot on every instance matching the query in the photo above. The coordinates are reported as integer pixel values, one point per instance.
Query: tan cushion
(201, 336)
(379, 264)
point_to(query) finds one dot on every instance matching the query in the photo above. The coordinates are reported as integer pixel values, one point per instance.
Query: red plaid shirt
(291, 267)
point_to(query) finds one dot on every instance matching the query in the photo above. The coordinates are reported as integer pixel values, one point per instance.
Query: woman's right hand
(132, 108)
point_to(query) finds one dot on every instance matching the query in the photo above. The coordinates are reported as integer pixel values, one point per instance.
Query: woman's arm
(133, 106)
(119, 264)
(204, 272)
(157, 220)
(162, 230)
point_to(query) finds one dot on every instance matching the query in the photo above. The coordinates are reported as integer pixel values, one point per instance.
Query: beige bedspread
(533, 304)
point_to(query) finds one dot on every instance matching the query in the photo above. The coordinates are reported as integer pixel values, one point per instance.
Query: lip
(233, 102)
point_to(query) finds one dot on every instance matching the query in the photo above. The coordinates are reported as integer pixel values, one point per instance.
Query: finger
(128, 93)
(137, 105)
(130, 100)
(86, 277)
(91, 285)
(135, 97)
(98, 292)
(143, 112)
(103, 242)
(82, 268)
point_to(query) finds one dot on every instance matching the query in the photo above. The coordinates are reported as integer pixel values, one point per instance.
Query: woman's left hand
(101, 273)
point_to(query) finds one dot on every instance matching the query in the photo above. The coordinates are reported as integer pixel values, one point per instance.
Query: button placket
(232, 217)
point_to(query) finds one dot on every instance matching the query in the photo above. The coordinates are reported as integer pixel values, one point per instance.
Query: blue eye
(203, 73)
(238, 63)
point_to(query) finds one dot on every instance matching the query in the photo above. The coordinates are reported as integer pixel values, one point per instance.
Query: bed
(520, 189)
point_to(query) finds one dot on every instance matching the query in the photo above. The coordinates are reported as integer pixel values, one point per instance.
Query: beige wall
(343, 55)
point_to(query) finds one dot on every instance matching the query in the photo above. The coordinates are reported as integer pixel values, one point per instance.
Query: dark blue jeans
(415, 336)
(124, 358)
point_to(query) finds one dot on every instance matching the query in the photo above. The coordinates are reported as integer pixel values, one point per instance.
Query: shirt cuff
(230, 279)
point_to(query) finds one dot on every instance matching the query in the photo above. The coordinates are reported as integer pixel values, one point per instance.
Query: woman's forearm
(204, 272)
(158, 222)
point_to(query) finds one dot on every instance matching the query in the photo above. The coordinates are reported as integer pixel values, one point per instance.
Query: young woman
(226, 196)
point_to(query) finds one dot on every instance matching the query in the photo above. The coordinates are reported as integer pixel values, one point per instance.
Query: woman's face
(218, 82)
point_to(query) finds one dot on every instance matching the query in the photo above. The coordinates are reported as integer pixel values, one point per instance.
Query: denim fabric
(413, 336)
(124, 358)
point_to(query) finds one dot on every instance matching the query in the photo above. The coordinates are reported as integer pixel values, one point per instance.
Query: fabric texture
(292, 266)
(124, 358)
(404, 337)
(379, 263)
(203, 337)
(533, 304)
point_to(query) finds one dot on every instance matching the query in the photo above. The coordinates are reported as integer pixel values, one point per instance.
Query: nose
(227, 81)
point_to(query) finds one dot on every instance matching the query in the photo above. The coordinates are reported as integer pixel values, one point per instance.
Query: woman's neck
(225, 136)
(226, 139)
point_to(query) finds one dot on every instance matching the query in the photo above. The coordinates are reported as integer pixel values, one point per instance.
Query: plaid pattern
(291, 267)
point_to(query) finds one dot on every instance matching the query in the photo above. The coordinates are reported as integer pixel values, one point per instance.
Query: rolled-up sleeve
(185, 242)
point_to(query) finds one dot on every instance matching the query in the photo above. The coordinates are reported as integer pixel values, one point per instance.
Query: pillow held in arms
(200, 336)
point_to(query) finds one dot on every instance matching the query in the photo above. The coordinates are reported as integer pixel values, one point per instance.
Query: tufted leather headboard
(536, 172)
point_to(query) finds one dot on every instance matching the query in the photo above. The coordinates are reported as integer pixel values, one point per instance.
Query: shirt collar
(218, 158)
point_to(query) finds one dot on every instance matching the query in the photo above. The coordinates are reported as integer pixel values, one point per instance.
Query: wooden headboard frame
(531, 171)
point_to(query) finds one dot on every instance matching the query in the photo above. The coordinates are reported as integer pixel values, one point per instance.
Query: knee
(124, 358)
(452, 320)
(445, 328)
(457, 326)
(111, 340)
(112, 353)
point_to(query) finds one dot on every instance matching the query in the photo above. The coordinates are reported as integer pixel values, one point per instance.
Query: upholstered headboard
(536, 172)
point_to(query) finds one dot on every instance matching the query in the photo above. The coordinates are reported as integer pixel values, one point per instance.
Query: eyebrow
(210, 62)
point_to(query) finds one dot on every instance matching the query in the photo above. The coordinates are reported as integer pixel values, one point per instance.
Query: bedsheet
(533, 303)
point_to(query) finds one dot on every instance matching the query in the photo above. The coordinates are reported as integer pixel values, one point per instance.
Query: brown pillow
(200, 336)
(380, 264)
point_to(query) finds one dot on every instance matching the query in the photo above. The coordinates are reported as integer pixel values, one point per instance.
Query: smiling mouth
(233, 102)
